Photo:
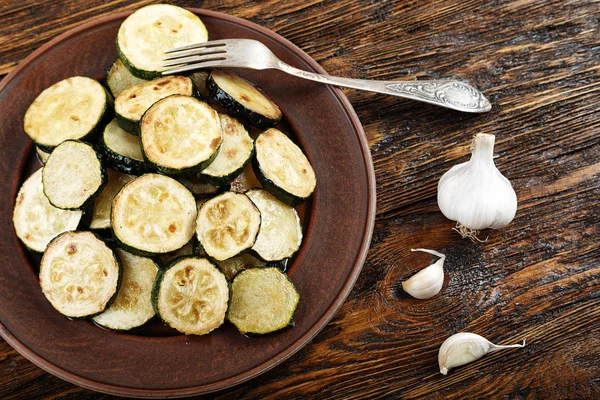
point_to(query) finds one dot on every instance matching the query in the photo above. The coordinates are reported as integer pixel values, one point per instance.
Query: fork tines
(199, 52)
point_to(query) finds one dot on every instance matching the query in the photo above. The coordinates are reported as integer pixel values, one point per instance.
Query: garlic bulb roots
(475, 193)
(427, 282)
(463, 348)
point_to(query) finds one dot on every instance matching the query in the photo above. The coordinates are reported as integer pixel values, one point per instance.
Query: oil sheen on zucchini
(282, 168)
(280, 233)
(74, 108)
(243, 99)
(37, 221)
(235, 152)
(153, 214)
(79, 274)
(103, 203)
(133, 306)
(119, 78)
(73, 175)
(180, 135)
(147, 33)
(191, 295)
(227, 225)
(133, 102)
(263, 300)
(122, 150)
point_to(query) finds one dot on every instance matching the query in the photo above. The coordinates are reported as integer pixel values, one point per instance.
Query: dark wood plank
(537, 279)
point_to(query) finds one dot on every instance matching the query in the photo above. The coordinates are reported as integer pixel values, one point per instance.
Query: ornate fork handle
(446, 93)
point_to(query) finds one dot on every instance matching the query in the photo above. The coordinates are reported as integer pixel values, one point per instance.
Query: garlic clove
(475, 193)
(465, 347)
(427, 282)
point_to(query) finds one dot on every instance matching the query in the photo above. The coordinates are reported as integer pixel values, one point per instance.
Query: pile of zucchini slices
(170, 196)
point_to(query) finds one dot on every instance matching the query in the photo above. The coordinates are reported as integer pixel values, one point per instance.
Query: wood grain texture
(537, 279)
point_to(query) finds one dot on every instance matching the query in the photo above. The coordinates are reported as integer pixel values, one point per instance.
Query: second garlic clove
(429, 281)
(465, 347)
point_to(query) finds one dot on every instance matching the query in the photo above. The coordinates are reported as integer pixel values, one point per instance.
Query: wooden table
(537, 279)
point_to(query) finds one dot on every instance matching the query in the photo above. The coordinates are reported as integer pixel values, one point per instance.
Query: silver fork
(248, 53)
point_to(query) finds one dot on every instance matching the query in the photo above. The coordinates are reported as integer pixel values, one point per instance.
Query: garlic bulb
(463, 348)
(475, 193)
(427, 282)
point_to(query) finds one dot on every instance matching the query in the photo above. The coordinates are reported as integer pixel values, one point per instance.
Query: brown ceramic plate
(339, 223)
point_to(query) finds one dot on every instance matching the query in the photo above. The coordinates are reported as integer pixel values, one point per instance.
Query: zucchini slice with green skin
(191, 295)
(122, 150)
(245, 181)
(42, 155)
(263, 300)
(280, 233)
(153, 214)
(234, 154)
(242, 99)
(132, 103)
(232, 266)
(227, 225)
(73, 175)
(199, 79)
(146, 34)
(132, 307)
(199, 188)
(79, 274)
(36, 221)
(282, 168)
(103, 203)
(118, 78)
(180, 135)
(74, 108)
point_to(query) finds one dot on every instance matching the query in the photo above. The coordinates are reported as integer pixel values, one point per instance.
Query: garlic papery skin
(463, 348)
(427, 282)
(475, 193)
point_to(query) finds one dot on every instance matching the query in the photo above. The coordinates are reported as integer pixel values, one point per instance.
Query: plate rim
(319, 324)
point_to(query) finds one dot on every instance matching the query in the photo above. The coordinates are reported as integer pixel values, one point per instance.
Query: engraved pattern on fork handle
(455, 94)
(447, 93)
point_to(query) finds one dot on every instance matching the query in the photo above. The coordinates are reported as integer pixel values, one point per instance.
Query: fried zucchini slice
(153, 214)
(282, 168)
(232, 266)
(122, 150)
(234, 154)
(191, 295)
(146, 34)
(180, 135)
(199, 79)
(243, 99)
(118, 78)
(74, 108)
(133, 102)
(103, 203)
(79, 274)
(263, 300)
(73, 175)
(133, 306)
(227, 225)
(280, 233)
(36, 220)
